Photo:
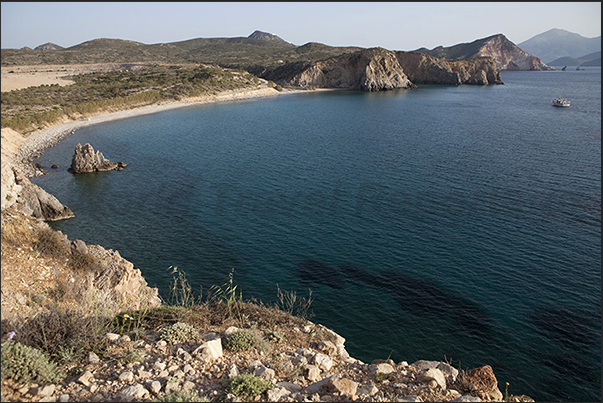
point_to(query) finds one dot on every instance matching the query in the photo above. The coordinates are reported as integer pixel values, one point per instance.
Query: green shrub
(248, 386)
(23, 364)
(240, 341)
(180, 333)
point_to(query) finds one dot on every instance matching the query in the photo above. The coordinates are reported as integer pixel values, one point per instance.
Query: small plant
(182, 396)
(290, 303)
(248, 386)
(181, 293)
(23, 364)
(180, 333)
(228, 294)
(240, 341)
(506, 391)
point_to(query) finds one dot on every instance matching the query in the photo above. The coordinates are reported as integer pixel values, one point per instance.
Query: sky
(391, 25)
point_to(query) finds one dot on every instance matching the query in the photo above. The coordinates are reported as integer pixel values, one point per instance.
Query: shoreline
(38, 141)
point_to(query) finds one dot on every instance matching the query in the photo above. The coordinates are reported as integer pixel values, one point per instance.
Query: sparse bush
(248, 386)
(244, 340)
(180, 333)
(23, 364)
(240, 341)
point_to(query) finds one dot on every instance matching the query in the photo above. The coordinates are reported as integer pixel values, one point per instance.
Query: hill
(556, 43)
(49, 46)
(505, 53)
(592, 59)
(259, 48)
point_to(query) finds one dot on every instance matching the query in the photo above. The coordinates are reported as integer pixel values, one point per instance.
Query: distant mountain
(49, 46)
(556, 43)
(592, 59)
(505, 53)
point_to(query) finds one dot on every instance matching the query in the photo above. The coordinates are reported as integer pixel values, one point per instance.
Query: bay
(443, 223)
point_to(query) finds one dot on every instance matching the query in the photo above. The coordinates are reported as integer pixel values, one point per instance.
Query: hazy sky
(394, 26)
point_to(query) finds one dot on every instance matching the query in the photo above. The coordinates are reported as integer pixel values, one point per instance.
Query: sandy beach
(39, 140)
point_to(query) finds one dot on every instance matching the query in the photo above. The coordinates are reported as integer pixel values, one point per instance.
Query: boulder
(85, 159)
(481, 382)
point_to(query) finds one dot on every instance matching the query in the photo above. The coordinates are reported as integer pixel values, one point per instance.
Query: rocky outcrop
(36, 202)
(367, 70)
(380, 69)
(86, 160)
(424, 69)
(506, 55)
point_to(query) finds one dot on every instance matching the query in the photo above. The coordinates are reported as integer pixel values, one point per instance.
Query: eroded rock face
(86, 160)
(36, 202)
(424, 69)
(368, 70)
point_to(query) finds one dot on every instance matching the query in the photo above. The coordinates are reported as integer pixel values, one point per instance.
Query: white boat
(561, 102)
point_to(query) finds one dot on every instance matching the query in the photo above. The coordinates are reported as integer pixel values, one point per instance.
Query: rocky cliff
(380, 69)
(367, 70)
(424, 69)
(506, 55)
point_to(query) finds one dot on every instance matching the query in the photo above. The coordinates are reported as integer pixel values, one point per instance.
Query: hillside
(592, 59)
(259, 48)
(505, 53)
(556, 43)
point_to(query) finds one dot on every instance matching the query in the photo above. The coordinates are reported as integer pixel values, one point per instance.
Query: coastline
(38, 141)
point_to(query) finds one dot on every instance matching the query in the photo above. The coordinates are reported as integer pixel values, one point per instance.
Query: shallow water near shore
(444, 223)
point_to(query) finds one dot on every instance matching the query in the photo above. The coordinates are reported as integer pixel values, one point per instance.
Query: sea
(452, 223)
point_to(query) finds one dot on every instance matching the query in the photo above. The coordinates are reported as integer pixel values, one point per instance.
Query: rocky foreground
(302, 364)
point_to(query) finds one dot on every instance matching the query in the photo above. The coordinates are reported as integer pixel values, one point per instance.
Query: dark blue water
(459, 223)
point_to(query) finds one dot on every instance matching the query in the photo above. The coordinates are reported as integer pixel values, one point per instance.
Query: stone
(275, 394)
(312, 373)
(382, 368)
(126, 377)
(320, 386)
(112, 337)
(85, 159)
(86, 378)
(47, 390)
(233, 372)
(79, 246)
(449, 372)
(345, 387)
(433, 374)
(367, 390)
(425, 365)
(136, 391)
(64, 397)
(93, 358)
(159, 366)
(265, 373)
(155, 387)
(188, 385)
(209, 351)
(327, 347)
(322, 361)
(291, 387)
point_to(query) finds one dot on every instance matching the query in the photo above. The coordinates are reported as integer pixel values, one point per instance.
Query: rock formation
(380, 69)
(86, 160)
(424, 69)
(367, 70)
(36, 202)
(506, 55)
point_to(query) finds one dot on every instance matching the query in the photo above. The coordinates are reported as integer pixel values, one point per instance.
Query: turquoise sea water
(459, 223)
